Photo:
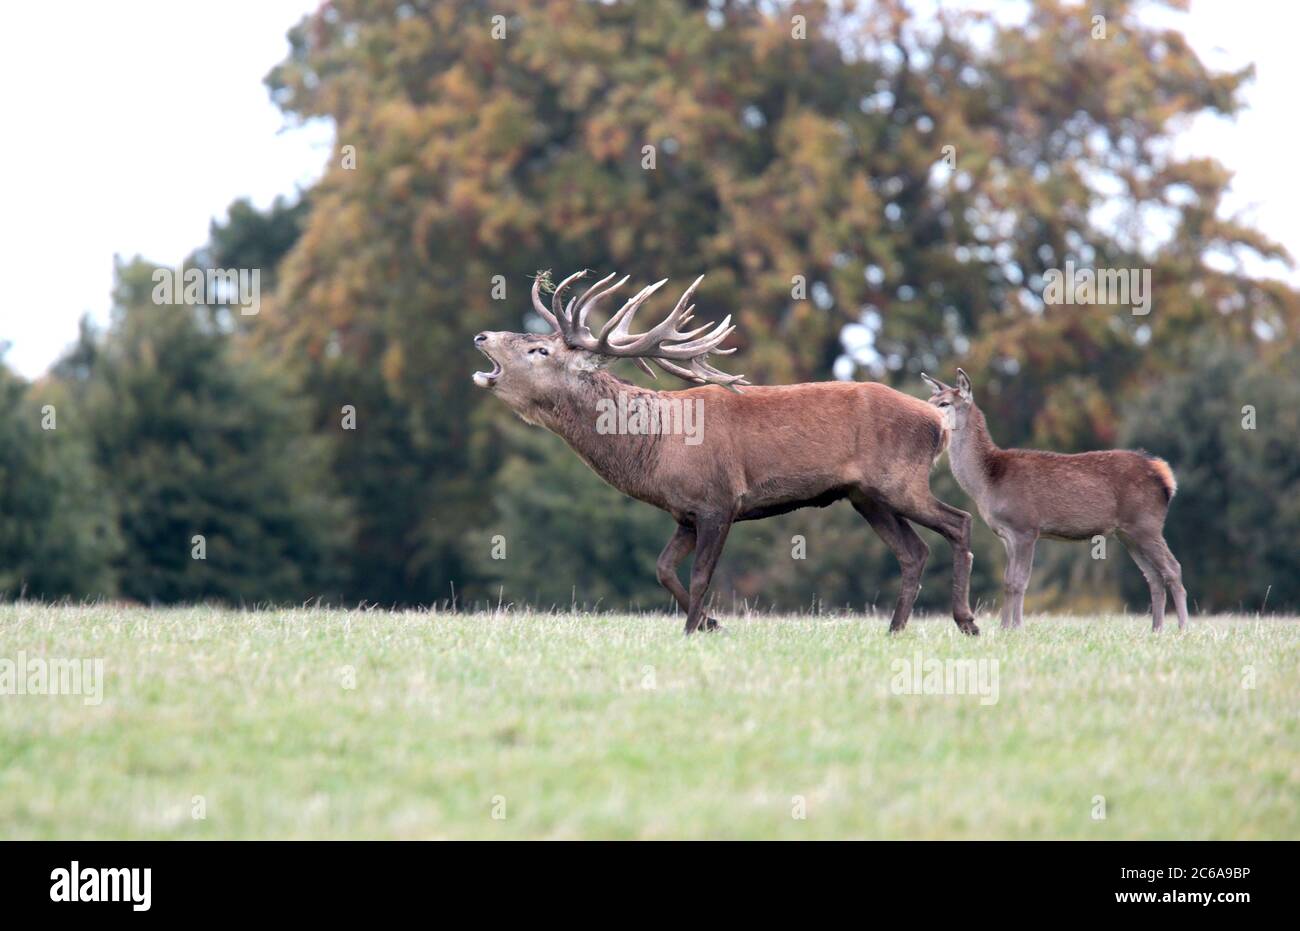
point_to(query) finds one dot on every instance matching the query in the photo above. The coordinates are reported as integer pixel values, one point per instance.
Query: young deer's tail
(1164, 475)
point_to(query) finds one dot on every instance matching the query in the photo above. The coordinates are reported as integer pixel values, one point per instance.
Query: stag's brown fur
(765, 451)
(1023, 494)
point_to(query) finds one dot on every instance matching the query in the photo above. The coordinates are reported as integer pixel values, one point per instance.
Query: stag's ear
(936, 387)
(963, 384)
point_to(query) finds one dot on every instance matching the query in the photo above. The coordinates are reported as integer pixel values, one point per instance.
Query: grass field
(330, 724)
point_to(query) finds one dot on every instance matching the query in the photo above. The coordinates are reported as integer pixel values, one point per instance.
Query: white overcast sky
(126, 127)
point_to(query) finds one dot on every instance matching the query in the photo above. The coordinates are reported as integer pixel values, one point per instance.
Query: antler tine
(703, 344)
(690, 334)
(701, 372)
(711, 374)
(680, 352)
(618, 325)
(540, 306)
(557, 300)
(666, 330)
(685, 300)
(594, 296)
(676, 369)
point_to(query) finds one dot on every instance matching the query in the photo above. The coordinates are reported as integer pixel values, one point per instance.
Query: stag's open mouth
(488, 379)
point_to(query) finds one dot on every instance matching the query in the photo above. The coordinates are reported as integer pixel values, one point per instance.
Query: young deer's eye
(540, 350)
(945, 404)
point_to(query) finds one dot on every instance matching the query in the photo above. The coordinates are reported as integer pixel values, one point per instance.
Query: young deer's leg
(1154, 581)
(909, 548)
(1172, 573)
(1020, 556)
(678, 548)
(1008, 613)
(954, 526)
(710, 537)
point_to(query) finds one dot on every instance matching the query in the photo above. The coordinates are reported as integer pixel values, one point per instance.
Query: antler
(682, 353)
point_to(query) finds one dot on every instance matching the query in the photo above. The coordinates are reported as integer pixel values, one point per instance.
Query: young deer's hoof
(968, 628)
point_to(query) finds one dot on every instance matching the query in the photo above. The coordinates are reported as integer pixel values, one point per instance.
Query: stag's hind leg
(922, 507)
(909, 548)
(679, 547)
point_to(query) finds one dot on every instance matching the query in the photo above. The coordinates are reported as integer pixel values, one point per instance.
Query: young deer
(1024, 494)
(764, 452)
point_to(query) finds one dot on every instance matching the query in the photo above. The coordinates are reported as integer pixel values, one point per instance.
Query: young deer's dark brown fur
(1023, 494)
(762, 452)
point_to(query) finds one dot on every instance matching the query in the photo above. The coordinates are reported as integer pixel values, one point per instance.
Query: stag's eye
(945, 404)
(540, 350)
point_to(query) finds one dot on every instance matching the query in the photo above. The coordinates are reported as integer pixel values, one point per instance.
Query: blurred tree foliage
(1233, 426)
(871, 193)
(801, 159)
(251, 238)
(192, 438)
(58, 533)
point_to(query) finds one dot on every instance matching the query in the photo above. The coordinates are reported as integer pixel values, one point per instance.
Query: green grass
(615, 726)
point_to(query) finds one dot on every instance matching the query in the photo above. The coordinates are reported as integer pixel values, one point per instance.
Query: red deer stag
(762, 452)
(1025, 493)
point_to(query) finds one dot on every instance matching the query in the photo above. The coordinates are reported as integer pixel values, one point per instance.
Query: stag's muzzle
(486, 379)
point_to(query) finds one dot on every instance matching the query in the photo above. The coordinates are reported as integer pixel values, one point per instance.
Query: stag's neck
(625, 460)
(971, 452)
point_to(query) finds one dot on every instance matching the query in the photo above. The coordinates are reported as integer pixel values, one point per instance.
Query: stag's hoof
(968, 628)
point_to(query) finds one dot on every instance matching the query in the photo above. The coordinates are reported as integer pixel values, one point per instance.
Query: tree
(221, 491)
(554, 540)
(868, 192)
(1230, 426)
(58, 536)
(251, 239)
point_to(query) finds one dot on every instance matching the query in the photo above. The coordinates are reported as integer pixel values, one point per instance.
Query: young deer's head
(954, 403)
(530, 371)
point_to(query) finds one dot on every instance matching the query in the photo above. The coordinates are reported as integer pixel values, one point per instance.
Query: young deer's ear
(963, 383)
(935, 386)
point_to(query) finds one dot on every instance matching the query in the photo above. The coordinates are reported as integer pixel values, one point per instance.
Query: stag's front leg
(710, 537)
(679, 547)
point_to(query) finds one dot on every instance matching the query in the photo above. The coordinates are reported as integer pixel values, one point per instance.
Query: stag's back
(801, 440)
